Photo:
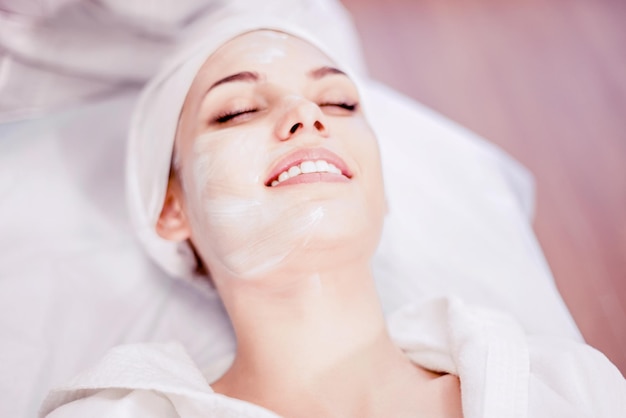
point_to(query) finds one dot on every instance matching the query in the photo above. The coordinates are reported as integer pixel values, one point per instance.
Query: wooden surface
(546, 81)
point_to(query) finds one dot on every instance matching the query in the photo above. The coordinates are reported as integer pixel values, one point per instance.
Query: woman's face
(280, 171)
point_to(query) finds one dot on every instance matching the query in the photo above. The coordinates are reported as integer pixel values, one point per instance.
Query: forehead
(263, 50)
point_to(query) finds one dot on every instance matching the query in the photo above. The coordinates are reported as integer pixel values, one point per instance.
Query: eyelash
(351, 107)
(228, 116)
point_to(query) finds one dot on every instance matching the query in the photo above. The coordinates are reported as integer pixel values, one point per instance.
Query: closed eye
(351, 107)
(231, 115)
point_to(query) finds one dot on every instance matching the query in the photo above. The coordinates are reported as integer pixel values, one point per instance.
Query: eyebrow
(253, 77)
(325, 71)
(247, 76)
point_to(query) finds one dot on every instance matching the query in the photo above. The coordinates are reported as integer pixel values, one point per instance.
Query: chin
(345, 238)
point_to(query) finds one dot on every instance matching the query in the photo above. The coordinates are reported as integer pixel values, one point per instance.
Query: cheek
(364, 148)
(363, 145)
(249, 238)
(228, 162)
(239, 226)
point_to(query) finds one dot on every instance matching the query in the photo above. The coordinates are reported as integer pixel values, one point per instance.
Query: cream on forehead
(254, 49)
(270, 55)
(263, 46)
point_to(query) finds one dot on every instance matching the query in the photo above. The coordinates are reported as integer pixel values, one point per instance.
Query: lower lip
(314, 178)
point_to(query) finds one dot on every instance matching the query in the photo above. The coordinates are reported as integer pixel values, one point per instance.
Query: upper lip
(307, 154)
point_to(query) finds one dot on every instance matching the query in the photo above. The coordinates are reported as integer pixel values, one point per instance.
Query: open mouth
(310, 165)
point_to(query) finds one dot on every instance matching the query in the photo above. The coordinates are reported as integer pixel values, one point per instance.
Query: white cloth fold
(62, 52)
(503, 373)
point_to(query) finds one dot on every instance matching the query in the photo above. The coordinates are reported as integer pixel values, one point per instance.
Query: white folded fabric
(458, 224)
(56, 53)
(503, 373)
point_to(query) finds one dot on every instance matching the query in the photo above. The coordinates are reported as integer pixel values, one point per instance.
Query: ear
(172, 224)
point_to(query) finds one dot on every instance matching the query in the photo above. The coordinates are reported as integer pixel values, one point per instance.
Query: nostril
(295, 127)
(318, 125)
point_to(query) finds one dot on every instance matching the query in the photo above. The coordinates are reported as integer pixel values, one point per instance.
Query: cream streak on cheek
(246, 229)
(253, 239)
(226, 161)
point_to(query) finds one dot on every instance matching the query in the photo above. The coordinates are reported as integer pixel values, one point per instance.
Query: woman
(275, 188)
(289, 185)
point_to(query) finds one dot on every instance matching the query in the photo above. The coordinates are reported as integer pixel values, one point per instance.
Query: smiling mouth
(309, 165)
(306, 167)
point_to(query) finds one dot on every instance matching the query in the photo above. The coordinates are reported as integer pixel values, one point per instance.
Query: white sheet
(73, 281)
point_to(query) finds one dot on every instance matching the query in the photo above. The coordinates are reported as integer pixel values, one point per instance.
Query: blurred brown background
(546, 81)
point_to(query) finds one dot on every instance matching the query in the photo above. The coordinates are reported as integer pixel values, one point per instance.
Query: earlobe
(172, 224)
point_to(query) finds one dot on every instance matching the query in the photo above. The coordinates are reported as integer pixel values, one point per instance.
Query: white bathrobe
(503, 373)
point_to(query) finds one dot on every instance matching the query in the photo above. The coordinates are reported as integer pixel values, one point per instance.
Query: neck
(316, 320)
(322, 333)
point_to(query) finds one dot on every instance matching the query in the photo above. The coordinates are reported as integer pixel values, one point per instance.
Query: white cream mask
(243, 227)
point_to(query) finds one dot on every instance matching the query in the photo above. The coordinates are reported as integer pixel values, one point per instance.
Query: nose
(301, 116)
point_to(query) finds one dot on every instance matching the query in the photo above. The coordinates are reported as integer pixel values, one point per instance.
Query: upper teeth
(306, 167)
